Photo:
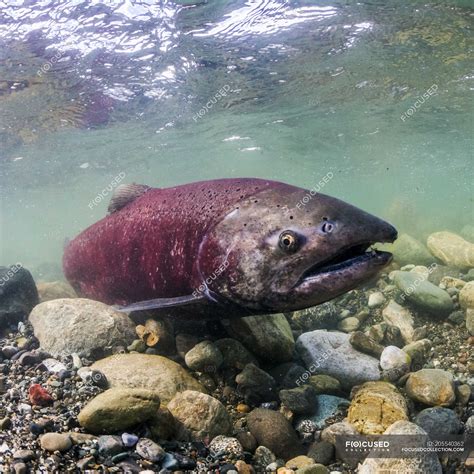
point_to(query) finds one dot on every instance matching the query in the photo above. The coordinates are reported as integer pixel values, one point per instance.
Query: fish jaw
(320, 286)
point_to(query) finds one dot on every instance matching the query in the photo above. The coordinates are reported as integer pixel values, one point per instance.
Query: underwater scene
(236, 236)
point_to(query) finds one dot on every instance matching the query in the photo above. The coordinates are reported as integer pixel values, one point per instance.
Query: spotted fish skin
(149, 248)
(225, 248)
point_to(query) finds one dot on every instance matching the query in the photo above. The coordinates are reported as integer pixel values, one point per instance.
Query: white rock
(376, 299)
(394, 358)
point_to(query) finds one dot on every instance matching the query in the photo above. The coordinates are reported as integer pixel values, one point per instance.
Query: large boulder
(118, 409)
(268, 337)
(375, 407)
(66, 326)
(18, 294)
(199, 416)
(331, 353)
(272, 430)
(422, 293)
(426, 462)
(452, 249)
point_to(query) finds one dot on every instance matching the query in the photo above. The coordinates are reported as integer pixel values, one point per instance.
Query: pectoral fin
(159, 303)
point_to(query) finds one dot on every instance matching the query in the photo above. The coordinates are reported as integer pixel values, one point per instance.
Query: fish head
(289, 249)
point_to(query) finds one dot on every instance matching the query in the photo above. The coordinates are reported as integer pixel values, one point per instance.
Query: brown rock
(199, 415)
(272, 430)
(432, 387)
(375, 407)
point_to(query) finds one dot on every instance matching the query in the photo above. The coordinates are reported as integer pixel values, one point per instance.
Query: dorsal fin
(125, 194)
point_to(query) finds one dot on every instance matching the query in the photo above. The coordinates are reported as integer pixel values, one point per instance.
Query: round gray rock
(69, 325)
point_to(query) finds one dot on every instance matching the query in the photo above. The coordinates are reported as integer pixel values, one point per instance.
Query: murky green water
(92, 90)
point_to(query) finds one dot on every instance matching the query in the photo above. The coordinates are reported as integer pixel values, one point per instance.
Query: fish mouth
(347, 259)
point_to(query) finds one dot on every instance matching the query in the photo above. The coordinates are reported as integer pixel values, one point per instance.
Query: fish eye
(289, 241)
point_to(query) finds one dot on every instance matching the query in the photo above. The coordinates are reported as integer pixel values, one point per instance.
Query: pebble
(299, 400)
(225, 444)
(129, 440)
(362, 342)
(393, 358)
(204, 357)
(257, 385)
(349, 324)
(273, 430)
(109, 445)
(55, 442)
(376, 299)
(149, 450)
(322, 452)
(24, 455)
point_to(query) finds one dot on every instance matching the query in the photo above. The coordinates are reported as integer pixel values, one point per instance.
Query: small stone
(20, 468)
(470, 321)
(349, 324)
(225, 444)
(247, 440)
(325, 384)
(469, 426)
(129, 440)
(342, 428)
(394, 358)
(24, 455)
(313, 469)
(263, 457)
(55, 442)
(466, 296)
(463, 394)
(150, 450)
(204, 357)
(256, 385)
(234, 354)
(29, 358)
(9, 351)
(137, 345)
(431, 387)
(376, 299)
(243, 468)
(110, 445)
(322, 452)
(5, 423)
(53, 365)
(398, 316)
(299, 462)
(168, 462)
(273, 430)
(418, 352)
(365, 344)
(299, 400)
(84, 463)
(243, 408)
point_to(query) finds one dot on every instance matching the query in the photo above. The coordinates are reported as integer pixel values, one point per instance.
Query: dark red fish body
(149, 248)
(168, 243)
